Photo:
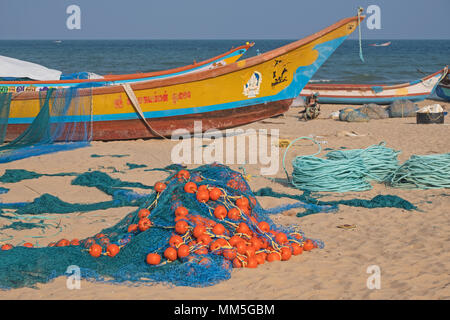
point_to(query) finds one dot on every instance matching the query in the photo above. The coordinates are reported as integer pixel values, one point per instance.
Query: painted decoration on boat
(251, 88)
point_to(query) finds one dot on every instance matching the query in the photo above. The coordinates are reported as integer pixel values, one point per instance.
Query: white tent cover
(10, 67)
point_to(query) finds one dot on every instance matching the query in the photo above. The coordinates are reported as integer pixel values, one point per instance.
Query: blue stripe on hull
(443, 93)
(111, 83)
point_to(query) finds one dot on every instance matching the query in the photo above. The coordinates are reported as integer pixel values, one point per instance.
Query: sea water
(403, 60)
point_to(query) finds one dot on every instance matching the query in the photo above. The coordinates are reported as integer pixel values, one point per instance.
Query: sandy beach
(411, 248)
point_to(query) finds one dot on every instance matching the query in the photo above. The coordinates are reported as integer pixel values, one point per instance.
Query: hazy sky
(213, 19)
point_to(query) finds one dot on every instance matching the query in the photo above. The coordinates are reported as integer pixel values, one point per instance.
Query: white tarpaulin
(10, 67)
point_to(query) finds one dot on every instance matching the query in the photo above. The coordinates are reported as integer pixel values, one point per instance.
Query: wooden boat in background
(108, 80)
(372, 93)
(443, 88)
(228, 96)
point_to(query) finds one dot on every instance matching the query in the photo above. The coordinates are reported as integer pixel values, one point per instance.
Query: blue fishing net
(5, 101)
(63, 123)
(22, 266)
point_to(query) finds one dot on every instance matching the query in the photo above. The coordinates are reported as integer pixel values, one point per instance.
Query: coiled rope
(316, 174)
(379, 160)
(351, 170)
(423, 172)
(342, 170)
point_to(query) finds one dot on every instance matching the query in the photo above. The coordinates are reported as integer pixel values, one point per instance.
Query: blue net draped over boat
(5, 101)
(64, 122)
(23, 266)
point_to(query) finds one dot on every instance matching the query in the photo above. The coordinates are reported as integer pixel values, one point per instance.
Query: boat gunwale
(116, 77)
(206, 74)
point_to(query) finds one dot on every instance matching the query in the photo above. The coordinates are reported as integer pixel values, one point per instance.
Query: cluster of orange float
(239, 237)
(232, 237)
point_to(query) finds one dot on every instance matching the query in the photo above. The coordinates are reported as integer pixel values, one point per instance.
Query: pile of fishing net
(192, 230)
(352, 115)
(374, 111)
(397, 109)
(402, 108)
(64, 122)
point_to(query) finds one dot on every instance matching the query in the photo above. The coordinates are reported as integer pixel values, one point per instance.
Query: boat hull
(245, 91)
(443, 92)
(166, 126)
(380, 94)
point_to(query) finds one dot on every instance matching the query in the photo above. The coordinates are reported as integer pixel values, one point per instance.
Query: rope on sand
(379, 160)
(423, 172)
(316, 174)
(342, 171)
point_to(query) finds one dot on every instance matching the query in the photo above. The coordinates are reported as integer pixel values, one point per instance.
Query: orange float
(214, 246)
(183, 251)
(202, 250)
(243, 228)
(218, 229)
(220, 212)
(143, 213)
(190, 187)
(215, 194)
(281, 238)
(286, 253)
(237, 263)
(144, 224)
(242, 202)
(273, 256)
(63, 243)
(296, 249)
(170, 254)
(153, 258)
(75, 242)
(204, 239)
(308, 245)
(132, 228)
(183, 174)
(95, 250)
(159, 187)
(241, 247)
(252, 262)
(203, 195)
(199, 230)
(112, 250)
(181, 212)
(181, 227)
(7, 246)
(234, 214)
(261, 257)
(229, 254)
(264, 226)
(175, 241)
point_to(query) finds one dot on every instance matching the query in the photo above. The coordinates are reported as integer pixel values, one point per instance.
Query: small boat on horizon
(380, 44)
(359, 94)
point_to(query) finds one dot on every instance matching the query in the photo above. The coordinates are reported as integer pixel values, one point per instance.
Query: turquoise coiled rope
(342, 171)
(423, 172)
(379, 160)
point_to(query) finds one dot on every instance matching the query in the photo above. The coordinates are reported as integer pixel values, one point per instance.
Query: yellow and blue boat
(227, 96)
